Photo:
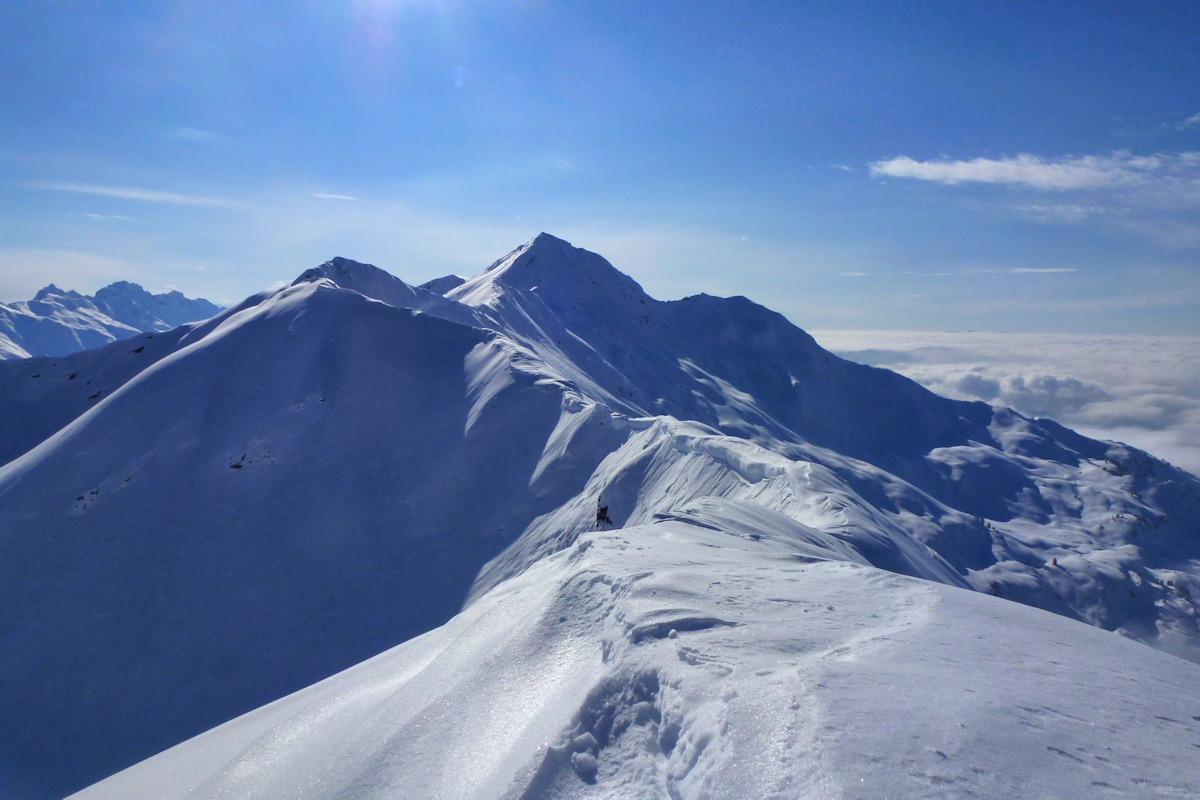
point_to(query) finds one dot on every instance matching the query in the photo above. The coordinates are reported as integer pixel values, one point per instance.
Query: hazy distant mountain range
(56, 321)
(806, 591)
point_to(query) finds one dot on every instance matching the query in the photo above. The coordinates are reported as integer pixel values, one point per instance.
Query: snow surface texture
(57, 322)
(227, 512)
(681, 660)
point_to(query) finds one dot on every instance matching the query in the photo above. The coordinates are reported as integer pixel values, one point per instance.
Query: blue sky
(937, 165)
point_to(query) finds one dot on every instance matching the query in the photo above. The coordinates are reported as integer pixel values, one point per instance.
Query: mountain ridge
(418, 455)
(57, 322)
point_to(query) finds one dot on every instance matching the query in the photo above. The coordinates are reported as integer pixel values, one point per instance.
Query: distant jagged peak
(560, 273)
(52, 291)
(133, 305)
(137, 291)
(124, 287)
(125, 290)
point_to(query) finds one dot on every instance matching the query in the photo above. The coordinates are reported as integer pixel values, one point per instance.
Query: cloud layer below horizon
(1142, 390)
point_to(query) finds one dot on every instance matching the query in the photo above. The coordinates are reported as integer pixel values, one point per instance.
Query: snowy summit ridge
(784, 609)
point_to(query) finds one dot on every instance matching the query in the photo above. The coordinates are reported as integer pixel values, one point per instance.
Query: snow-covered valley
(197, 522)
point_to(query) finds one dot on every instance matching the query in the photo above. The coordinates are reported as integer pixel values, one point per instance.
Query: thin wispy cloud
(1040, 270)
(135, 193)
(1028, 271)
(1191, 121)
(1061, 212)
(196, 135)
(1080, 172)
(329, 196)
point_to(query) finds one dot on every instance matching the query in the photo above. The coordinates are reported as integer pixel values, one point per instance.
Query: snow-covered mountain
(212, 517)
(721, 654)
(56, 322)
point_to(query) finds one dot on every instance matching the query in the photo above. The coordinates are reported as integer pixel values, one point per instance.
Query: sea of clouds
(1141, 390)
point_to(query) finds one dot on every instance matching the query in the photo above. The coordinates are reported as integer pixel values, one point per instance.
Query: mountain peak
(345, 272)
(560, 273)
(379, 284)
(52, 290)
(545, 240)
(119, 291)
(125, 286)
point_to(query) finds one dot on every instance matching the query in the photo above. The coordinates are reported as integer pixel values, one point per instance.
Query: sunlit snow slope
(197, 522)
(682, 659)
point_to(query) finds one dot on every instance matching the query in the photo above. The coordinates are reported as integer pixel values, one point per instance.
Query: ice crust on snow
(354, 459)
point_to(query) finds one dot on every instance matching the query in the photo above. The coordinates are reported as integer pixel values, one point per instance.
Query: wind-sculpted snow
(212, 517)
(722, 656)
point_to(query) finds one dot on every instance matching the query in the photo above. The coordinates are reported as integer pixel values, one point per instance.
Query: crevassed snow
(717, 658)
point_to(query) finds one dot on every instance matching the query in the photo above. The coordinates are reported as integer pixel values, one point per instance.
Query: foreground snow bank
(703, 657)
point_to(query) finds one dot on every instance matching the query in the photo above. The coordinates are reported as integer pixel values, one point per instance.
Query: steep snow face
(58, 322)
(717, 656)
(1018, 507)
(294, 488)
(726, 362)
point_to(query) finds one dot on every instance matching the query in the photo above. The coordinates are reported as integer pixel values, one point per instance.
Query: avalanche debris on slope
(720, 658)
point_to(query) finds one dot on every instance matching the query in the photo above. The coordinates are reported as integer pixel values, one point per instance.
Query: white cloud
(1074, 172)
(134, 193)
(1144, 390)
(1194, 119)
(1152, 197)
(328, 196)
